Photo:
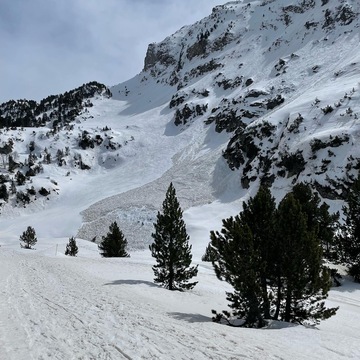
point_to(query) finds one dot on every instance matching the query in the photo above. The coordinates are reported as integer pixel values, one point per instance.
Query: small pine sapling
(114, 244)
(71, 247)
(28, 237)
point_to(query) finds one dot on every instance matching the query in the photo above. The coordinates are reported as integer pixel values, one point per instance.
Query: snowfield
(57, 307)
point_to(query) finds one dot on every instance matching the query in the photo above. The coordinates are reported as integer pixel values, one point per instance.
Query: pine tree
(273, 259)
(238, 263)
(318, 218)
(71, 247)
(349, 238)
(171, 247)
(20, 178)
(209, 254)
(12, 187)
(304, 281)
(259, 214)
(114, 243)
(28, 237)
(248, 238)
(4, 194)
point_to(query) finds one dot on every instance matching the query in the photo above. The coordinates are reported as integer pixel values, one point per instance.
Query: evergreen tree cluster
(273, 257)
(60, 109)
(349, 234)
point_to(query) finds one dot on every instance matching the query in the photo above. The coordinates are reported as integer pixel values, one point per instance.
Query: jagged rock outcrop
(221, 54)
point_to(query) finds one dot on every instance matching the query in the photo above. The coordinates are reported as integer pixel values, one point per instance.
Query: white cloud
(50, 46)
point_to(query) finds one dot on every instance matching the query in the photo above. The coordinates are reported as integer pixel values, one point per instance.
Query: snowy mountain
(282, 79)
(257, 92)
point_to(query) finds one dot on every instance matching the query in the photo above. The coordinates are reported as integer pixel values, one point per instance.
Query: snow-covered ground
(56, 307)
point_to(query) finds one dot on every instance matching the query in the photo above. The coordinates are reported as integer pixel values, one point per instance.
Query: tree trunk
(265, 298)
(278, 299)
(171, 277)
(288, 306)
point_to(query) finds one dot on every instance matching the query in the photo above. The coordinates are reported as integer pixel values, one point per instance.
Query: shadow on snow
(191, 318)
(132, 282)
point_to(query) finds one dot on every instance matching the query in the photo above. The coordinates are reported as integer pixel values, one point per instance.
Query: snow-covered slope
(283, 78)
(56, 307)
(259, 91)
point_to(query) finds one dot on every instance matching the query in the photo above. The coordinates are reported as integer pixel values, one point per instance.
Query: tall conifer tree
(305, 282)
(350, 231)
(259, 214)
(273, 259)
(171, 247)
(238, 263)
(318, 218)
(114, 243)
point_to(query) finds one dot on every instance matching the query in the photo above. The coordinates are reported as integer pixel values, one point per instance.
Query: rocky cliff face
(281, 78)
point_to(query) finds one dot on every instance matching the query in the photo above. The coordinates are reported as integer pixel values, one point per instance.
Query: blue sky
(51, 46)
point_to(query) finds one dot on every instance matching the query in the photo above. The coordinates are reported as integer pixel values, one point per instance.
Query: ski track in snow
(84, 308)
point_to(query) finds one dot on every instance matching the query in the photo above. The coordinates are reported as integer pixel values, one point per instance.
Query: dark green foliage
(182, 116)
(327, 109)
(244, 252)
(62, 108)
(59, 157)
(205, 68)
(12, 164)
(28, 237)
(273, 259)
(304, 281)
(259, 214)
(294, 163)
(243, 145)
(71, 247)
(4, 179)
(273, 103)
(114, 243)
(171, 248)
(238, 264)
(317, 144)
(22, 197)
(32, 146)
(349, 238)
(20, 178)
(4, 194)
(86, 141)
(44, 192)
(12, 187)
(209, 254)
(318, 219)
(31, 191)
